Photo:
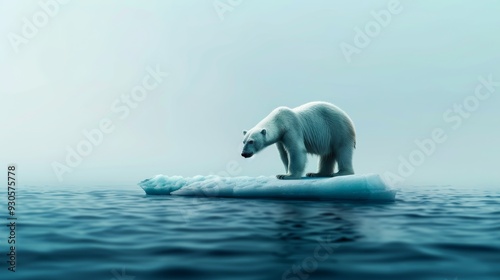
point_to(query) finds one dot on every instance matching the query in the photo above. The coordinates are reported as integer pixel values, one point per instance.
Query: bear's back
(324, 126)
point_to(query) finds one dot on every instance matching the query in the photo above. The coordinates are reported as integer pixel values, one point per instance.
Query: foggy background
(228, 72)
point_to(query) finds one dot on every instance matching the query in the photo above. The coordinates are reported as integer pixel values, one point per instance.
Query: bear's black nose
(246, 155)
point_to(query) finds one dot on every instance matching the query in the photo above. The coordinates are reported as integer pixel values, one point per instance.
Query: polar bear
(317, 128)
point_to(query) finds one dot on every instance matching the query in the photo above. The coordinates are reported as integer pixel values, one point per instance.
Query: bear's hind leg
(344, 161)
(325, 167)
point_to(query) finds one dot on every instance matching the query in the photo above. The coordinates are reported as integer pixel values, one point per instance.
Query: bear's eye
(250, 142)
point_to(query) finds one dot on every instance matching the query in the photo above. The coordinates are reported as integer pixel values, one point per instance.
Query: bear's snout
(246, 155)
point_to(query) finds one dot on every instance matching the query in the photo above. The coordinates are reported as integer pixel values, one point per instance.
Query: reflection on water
(428, 233)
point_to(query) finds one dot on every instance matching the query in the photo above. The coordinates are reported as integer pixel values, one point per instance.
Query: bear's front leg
(283, 155)
(296, 164)
(287, 177)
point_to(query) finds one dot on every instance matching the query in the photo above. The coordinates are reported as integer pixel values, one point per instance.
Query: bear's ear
(263, 131)
(244, 132)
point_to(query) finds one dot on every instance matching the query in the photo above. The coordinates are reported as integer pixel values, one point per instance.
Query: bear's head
(254, 141)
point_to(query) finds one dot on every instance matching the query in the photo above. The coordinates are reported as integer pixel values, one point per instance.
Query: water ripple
(427, 233)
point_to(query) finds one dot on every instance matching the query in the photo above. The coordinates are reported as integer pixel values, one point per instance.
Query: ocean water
(437, 232)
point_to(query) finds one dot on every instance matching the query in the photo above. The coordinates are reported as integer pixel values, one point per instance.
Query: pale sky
(228, 70)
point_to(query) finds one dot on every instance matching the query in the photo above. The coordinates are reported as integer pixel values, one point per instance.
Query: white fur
(318, 128)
